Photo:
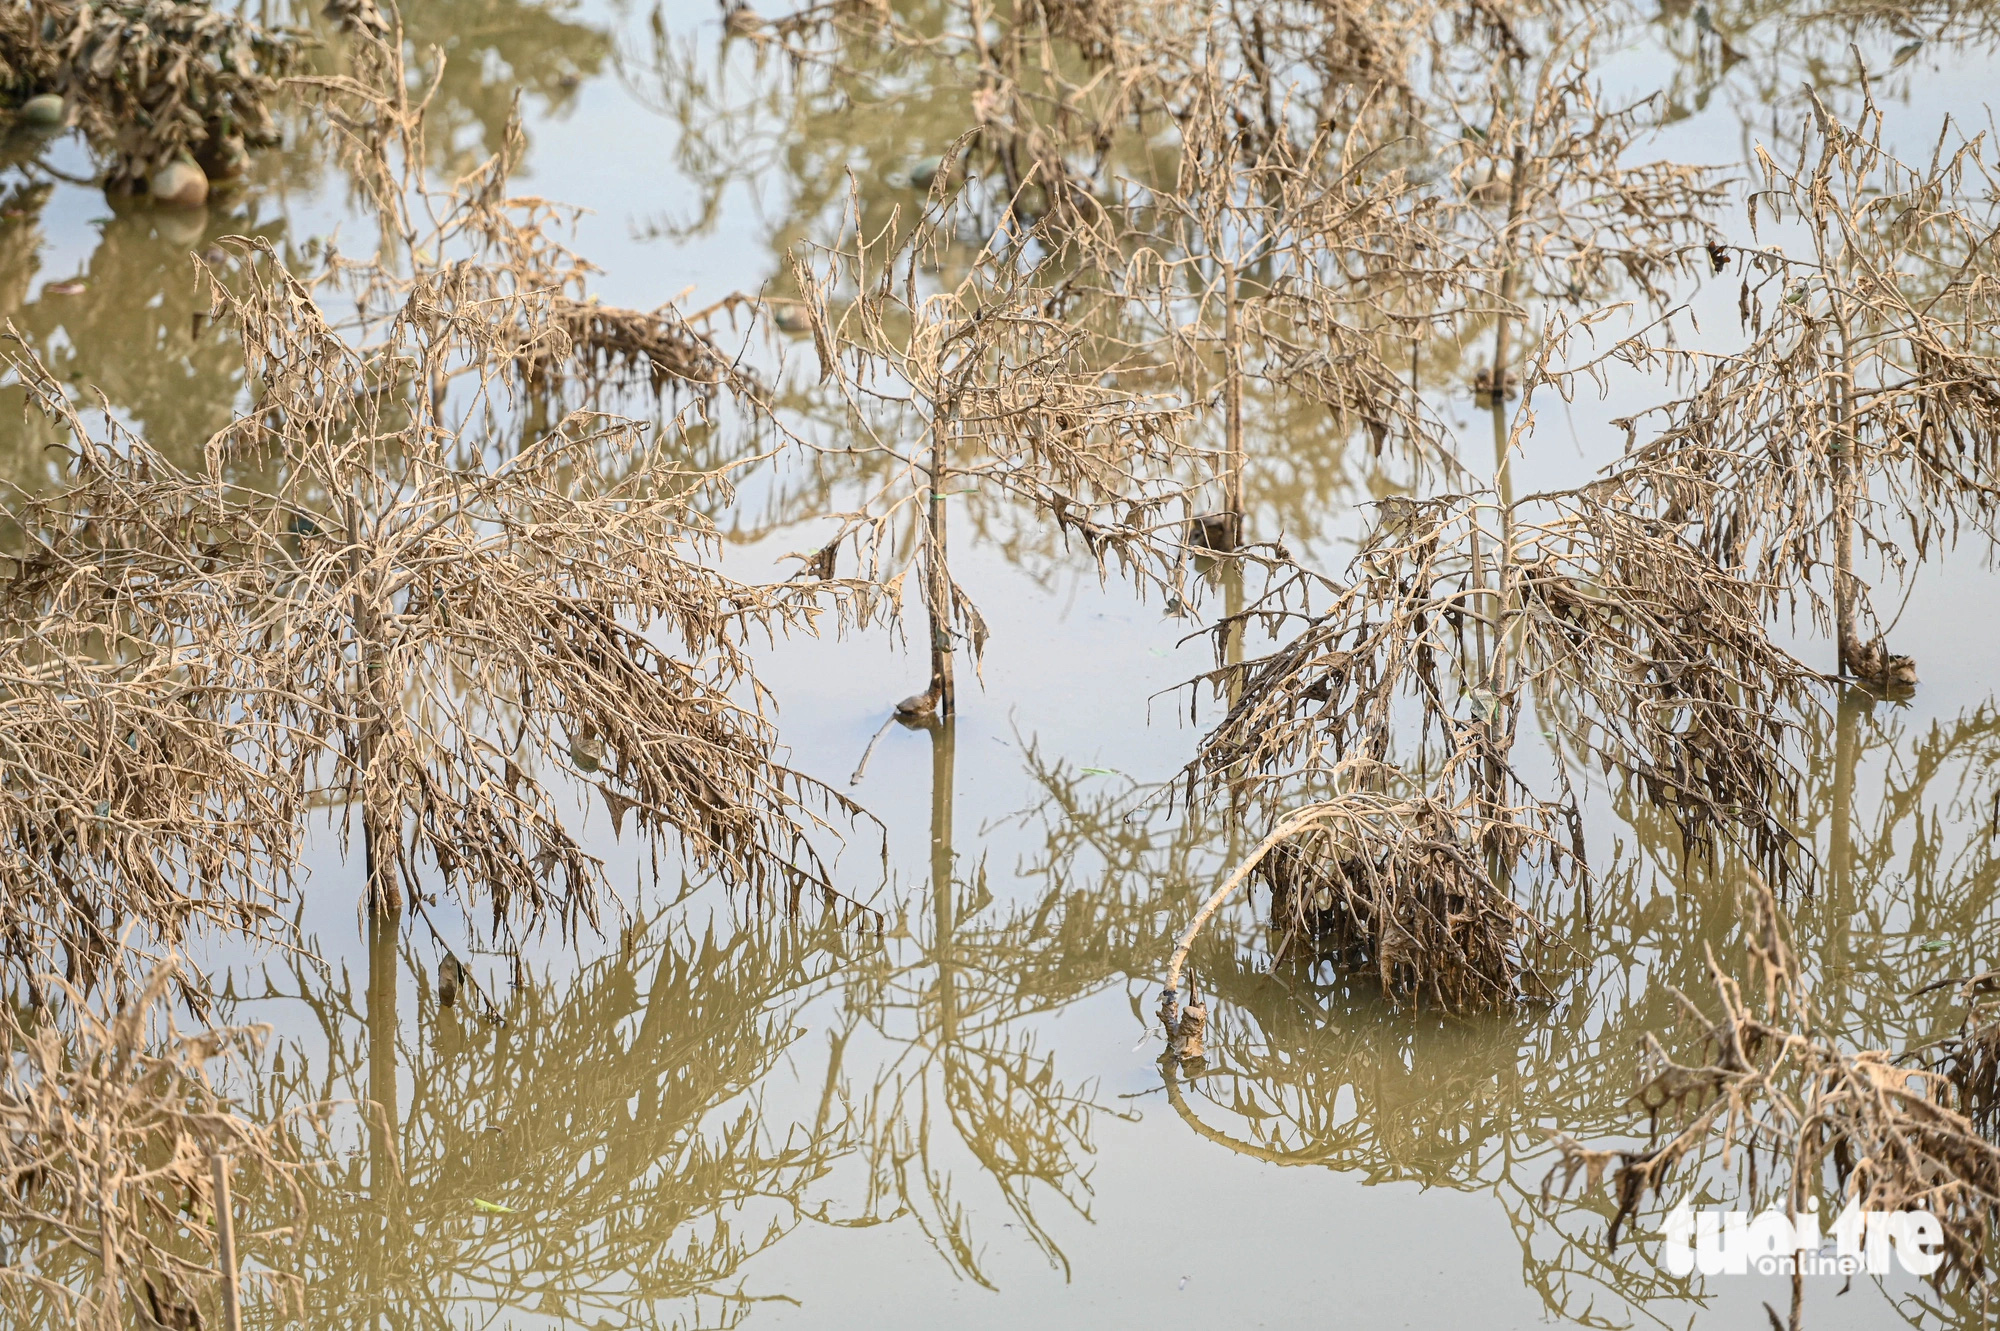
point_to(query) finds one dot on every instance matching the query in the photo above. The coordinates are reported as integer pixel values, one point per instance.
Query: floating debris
(918, 705)
(46, 111)
(451, 978)
(179, 184)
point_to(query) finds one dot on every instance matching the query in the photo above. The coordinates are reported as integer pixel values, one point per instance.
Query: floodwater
(715, 1115)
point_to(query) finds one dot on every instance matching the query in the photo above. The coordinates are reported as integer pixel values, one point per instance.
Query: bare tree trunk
(1481, 605)
(1416, 393)
(1498, 385)
(1492, 605)
(1232, 655)
(1232, 638)
(110, 1301)
(1845, 494)
(1840, 851)
(1843, 562)
(1503, 473)
(1502, 330)
(383, 894)
(383, 1028)
(937, 578)
(1232, 396)
(1503, 547)
(1477, 601)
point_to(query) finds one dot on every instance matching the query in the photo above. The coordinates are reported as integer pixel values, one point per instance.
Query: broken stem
(861, 767)
(1285, 828)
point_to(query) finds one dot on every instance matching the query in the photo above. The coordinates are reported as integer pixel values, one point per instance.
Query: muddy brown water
(710, 1116)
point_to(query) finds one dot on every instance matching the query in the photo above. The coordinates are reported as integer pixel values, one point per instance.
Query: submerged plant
(1633, 614)
(1861, 419)
(1627, 642)
(996, 384)
(372, 594)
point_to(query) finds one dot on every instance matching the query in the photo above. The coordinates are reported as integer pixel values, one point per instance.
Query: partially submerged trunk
(937, 580)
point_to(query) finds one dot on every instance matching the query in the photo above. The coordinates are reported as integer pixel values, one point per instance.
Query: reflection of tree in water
(1901, 817)
(961, 1069)
(1756, 55)
(641, 1121)
(618, 1116)
(496, 50)
(133, 333)
(21, 204)
(1308, 1067)
(625, 1116)
(746, 116)
(863, 114)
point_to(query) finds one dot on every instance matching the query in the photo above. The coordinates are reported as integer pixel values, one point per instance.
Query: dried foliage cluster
(1630, 619)
(1233, 209)
(1857, 425)
(1214, 205)
(150, 81)
(128, 795)
(1392, 882)
(1634, 615)
(420, 580)
(997, 385)
(1970, 1056)
(365, 595)
(1860, 421)
(1634, 651)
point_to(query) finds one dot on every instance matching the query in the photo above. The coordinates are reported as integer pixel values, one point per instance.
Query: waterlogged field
(931, 1085)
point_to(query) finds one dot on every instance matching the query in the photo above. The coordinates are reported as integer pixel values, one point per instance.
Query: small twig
(861, 767)
(225, 1244)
